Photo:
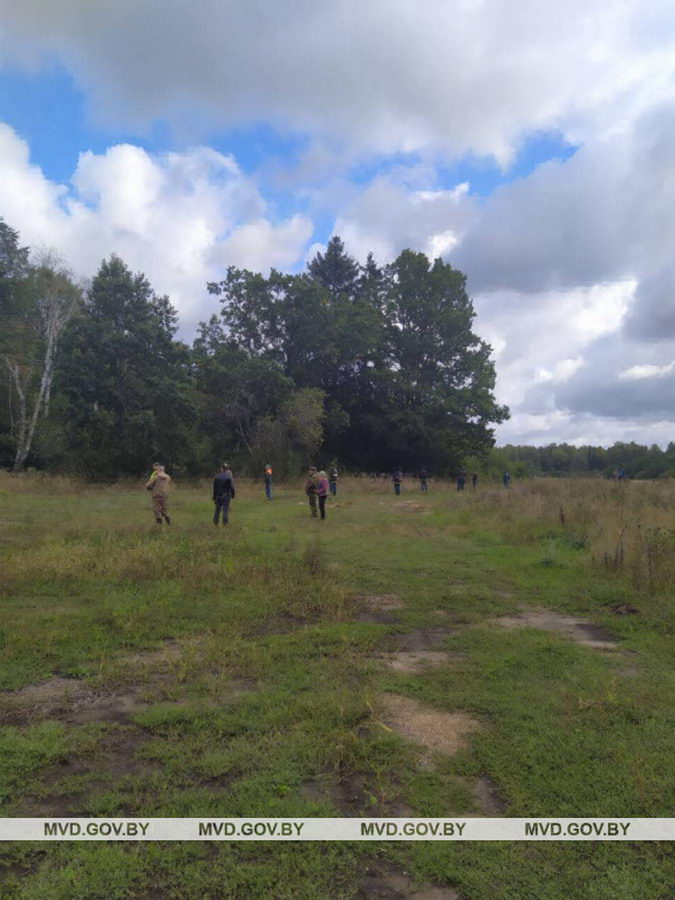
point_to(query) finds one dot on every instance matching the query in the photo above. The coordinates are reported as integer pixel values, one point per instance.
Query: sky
(530, 144)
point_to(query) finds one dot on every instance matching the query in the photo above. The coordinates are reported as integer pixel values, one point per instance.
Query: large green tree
(126, 381)
(406, 380)
(251, 411)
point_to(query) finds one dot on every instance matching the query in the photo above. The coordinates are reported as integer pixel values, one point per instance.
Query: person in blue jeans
(397, 478)
(268, 481)
(332, 479)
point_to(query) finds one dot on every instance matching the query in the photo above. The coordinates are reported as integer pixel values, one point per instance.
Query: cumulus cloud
(571, 267)
(181, 218)
(388, 75)
(400, 210)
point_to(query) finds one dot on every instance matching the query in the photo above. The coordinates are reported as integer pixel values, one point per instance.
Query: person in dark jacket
(310, 489)
(397, 478)
(423, 476)
(268, 481)
(474, 480)
(223, 492)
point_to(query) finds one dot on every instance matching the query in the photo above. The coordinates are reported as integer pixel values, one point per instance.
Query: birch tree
(35, 310)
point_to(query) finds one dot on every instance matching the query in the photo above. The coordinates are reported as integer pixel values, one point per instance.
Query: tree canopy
(371, 366)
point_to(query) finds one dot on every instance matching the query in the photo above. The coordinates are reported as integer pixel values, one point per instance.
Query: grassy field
(503, 652)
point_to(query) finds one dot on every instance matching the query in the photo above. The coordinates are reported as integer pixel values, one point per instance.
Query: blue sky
(531, 146)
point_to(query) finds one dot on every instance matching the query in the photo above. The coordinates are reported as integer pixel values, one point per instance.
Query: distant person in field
(506, 479)
(461, 479)
(223, 492)
(397, 478)
(310, 489)
(159, 483)
(268, 481)
(423, 476)
(322, 492)
(474, 480)
(333, 479)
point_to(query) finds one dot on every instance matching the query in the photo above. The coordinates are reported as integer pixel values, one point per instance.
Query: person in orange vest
(268, 481)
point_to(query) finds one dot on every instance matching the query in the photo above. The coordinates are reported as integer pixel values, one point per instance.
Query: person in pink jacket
(322, 492)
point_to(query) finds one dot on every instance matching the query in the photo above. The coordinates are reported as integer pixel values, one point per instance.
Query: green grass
(266, 702)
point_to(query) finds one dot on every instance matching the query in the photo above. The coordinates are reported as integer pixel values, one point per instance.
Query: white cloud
(382, 76)
(181, 218)
(636, 373)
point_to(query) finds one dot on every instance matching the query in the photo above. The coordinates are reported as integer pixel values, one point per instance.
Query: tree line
(373, 367)
(564, 460)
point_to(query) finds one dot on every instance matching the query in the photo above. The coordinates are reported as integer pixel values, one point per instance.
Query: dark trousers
(268, 490)
(460, 484)
(423, 484)
(322, 505)
(397, 488)
(222, 505)
(333, 487)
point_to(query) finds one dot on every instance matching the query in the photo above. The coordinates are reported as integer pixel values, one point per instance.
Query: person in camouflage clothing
(310, 489)
(159, 483)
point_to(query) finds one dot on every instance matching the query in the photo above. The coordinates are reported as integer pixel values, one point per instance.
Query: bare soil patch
(415, 660)
(485, 794)
(379, 609)
(424, 639)
(576, 629)
(437, 730)
(99, 771)
(71, 701)
(146, 675)
(411, 506)
(397, 886)
(353, 796)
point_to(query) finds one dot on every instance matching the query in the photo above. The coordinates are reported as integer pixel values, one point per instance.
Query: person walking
(223, 492)
(397, 478)
(423, 477)
(310, 489)
(474, 480)
(506, 479)
(268, 481)
(333, 479)
(322, 492)
(159, 483)
(461, 479)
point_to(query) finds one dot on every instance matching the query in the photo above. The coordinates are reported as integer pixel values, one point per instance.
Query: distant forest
(636, 461)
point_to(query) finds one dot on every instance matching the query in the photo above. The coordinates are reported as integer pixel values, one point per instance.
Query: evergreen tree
(125, 380)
